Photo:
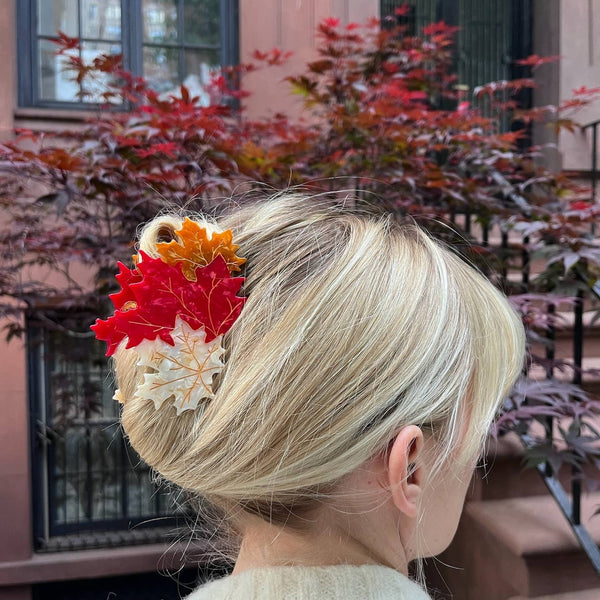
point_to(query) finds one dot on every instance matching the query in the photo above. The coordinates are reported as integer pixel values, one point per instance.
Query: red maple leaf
(162, 293)
(331, 22)
(584, 91)
(66, 43)
(125, 278)
(439, 28)
(535, 62)
(167, 148)
(580, 205)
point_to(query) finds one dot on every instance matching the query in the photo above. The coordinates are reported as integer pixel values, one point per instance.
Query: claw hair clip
(174, 310)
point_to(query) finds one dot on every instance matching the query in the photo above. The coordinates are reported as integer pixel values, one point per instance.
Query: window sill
(53, 114)
(51, 119)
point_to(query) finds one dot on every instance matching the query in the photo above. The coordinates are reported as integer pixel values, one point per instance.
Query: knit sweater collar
(347, 582)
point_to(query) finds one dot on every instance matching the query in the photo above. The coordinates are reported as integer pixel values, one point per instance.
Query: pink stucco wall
(288, 25)
(8, 66)
(15, 508)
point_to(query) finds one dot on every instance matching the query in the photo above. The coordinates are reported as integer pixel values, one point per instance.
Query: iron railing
(594, 166)
(571, 507)
(492, 35)
(569, 503)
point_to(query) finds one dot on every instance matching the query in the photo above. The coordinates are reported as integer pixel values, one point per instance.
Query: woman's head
(355, 327)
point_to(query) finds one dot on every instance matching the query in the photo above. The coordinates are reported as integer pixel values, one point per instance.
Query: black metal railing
(89, 487)
(571, 507)
(594, 166)
(517, 249)
(492, 35)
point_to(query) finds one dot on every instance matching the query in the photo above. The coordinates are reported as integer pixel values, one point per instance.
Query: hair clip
(174, 310)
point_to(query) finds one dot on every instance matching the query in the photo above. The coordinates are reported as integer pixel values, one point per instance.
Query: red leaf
(534, 61)
(163, 293)
(580, 205)
(126, 277)
(403, 10)
(167, 148)
(439, 28)
(58, 158)
(331, 22)
(585, 91)
(65, 42)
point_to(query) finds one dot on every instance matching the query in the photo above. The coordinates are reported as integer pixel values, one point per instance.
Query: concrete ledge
(535, 525)
(581, 595)
(85, 564)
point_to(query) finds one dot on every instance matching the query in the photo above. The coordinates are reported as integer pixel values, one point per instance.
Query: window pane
(142, 493)
(55, 81)
(93, 88)
(202, 22)
(161, 68)
(159, 18)
(101, 19)
(199, 65)
(70, 484)
(57, 15)
(106, 482)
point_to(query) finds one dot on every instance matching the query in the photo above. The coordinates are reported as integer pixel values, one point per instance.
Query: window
(167, 41)
(90, 488)
(492, 33)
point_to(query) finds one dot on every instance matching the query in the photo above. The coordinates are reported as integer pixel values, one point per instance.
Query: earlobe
(404, 470)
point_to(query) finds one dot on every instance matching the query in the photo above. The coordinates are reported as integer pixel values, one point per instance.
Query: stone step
(518, 547)
(591, 380)
(563, 342)
(566, 319)
(503, 475)
(582, 595)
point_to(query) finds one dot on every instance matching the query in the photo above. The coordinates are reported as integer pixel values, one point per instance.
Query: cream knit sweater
(340, 582)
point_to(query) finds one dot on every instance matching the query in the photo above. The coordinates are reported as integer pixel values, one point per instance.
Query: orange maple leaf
(196, 249)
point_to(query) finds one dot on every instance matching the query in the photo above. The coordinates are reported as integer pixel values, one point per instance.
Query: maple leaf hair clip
(174, 310)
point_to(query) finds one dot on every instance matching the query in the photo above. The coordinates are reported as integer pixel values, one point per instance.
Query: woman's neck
(266, 545)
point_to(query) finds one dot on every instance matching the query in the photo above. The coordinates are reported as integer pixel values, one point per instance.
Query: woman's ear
(404, 469)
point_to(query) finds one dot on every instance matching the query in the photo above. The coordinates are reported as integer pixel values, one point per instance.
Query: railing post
(525, 264)
(576, 494)
(504, 258)
(594, 167)
(550, 353)
(578, 338)
(594, 159)
(577, 379)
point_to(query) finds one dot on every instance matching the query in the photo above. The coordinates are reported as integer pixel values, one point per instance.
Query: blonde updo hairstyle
(355, 325)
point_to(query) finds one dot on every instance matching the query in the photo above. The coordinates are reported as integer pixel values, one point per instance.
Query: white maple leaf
(181, 373)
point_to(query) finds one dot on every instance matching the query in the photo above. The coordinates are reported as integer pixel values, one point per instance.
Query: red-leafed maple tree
(383, 125)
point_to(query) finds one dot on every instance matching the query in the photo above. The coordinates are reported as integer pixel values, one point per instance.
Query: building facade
(75, 505)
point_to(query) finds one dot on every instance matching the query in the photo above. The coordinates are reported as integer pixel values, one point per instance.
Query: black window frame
(53, 533)
(131, 45)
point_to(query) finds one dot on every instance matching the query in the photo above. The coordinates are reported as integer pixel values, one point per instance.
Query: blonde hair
(355, 325)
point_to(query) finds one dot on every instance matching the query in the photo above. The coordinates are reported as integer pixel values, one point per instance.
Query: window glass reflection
(101, 19)
(201, 22)
(159, 18)
(57, 15)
